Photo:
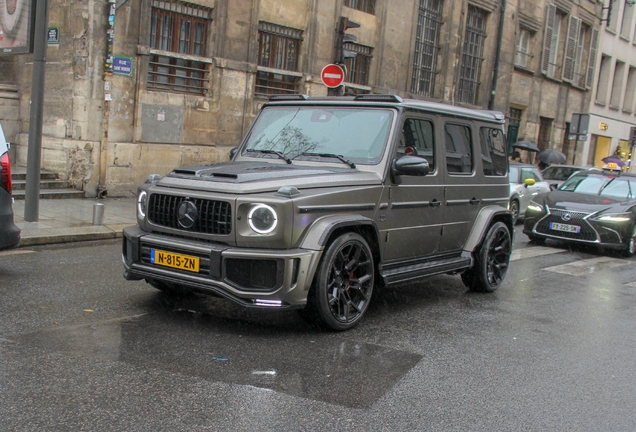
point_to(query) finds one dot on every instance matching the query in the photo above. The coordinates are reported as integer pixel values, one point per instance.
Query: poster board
(17, 19)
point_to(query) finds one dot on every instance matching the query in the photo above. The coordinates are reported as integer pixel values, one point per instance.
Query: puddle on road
(316, 366)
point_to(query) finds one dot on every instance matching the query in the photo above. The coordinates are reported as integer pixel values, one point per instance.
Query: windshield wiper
(330, 155)
(277, 153)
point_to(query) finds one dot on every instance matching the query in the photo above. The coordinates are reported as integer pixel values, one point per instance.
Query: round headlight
(142, 203)
(262, 219)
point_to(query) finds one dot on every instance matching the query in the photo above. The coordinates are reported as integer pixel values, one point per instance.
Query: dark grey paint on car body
(410, 226)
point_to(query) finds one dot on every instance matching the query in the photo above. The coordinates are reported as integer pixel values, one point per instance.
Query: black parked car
(591, 207)
(9, 233)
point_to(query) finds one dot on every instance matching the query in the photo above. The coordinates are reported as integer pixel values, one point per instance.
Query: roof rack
(378, 98)
(284, 97)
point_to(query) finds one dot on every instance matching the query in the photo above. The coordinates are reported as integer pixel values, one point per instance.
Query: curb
(67, 238)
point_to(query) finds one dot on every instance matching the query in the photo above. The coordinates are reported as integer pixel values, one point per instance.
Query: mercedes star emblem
(187, 214)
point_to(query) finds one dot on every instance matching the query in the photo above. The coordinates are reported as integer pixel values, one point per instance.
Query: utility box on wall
(161, 123)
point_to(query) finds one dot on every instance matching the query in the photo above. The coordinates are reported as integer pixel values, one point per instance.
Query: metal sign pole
(34, 150)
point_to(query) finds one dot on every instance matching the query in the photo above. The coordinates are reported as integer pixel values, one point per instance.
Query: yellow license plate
(178, 261)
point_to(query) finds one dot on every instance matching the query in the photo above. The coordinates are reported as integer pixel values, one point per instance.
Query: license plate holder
(174, 260)
(555, 226)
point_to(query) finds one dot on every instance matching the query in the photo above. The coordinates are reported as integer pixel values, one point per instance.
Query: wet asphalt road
(553, 349)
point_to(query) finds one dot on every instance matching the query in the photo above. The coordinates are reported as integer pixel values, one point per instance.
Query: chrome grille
(576, 218)
(215, 217)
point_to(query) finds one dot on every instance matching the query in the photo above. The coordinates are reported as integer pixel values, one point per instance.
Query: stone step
(44, 184)
(52, 194)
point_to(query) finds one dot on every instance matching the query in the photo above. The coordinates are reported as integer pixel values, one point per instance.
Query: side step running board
(417, 271)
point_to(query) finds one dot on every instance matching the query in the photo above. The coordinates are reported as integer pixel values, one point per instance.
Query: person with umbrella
(550, 156)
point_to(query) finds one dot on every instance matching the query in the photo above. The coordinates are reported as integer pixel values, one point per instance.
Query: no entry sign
(332, 75)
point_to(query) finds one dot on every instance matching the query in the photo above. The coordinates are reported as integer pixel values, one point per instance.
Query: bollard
(98, 214)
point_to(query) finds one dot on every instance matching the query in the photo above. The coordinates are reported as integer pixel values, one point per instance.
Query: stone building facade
(186, 79)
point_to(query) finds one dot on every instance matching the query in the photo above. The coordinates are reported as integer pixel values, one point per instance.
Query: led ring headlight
(262, 219)
(142, 202)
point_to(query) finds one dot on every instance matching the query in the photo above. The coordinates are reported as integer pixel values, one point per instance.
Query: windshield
(613, 187)
(358, 134)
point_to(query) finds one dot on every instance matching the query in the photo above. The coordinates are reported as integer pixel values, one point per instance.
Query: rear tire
(491, 261)
(343, 284)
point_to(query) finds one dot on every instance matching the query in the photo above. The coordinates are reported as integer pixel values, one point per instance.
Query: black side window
(418, 139)
(459, 152)
(493, 152)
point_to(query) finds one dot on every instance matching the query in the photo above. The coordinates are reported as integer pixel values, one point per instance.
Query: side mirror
(410, 166)
(553, 186)
(529, 182)
(233, 152)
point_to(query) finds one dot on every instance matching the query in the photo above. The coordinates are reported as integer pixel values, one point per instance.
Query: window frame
(472, 55)
(277, 71)
(367, 6)
(429, 23)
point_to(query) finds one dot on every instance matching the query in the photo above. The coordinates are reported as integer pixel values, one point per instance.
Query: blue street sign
(122, 65)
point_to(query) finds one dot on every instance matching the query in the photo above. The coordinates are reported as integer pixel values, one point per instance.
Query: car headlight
(533, 206)
(616, 217)
(142, 204)
(262, 219)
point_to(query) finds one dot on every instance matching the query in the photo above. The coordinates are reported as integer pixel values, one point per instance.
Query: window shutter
(591, 59)
(570, 49)
(547, 38)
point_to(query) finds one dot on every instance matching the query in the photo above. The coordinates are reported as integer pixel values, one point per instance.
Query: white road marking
(16, 252)
(589, 266)
(532, 252)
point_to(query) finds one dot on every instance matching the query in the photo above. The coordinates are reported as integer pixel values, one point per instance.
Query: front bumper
(250, 277)
(608, 235)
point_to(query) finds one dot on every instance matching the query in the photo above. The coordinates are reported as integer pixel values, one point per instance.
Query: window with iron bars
(367, 6)
(179, 28)
(278, 49)
(357, 67)
(472, 55)
(429, 21)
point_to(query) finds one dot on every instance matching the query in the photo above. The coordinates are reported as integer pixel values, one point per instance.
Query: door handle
(475, 201)
(435, 203)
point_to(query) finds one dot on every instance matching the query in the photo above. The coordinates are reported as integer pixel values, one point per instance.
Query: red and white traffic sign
(332, 75)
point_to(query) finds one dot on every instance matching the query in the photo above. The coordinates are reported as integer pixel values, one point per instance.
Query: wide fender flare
(322, 228)
(483, 222)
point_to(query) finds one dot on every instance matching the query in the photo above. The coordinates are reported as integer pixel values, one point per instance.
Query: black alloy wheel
(491, 261)
(343, 284)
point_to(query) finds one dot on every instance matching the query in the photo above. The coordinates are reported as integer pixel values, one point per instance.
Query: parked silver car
(526, 182)
(9, 232)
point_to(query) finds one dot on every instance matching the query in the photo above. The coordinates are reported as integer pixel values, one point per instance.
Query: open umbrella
(551, 156)
(614, 159)
(526, 145)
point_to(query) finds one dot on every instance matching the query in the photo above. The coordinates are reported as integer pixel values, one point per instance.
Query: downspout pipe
(495, 72)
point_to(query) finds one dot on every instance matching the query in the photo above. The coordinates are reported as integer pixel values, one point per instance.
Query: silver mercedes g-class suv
(328, 199)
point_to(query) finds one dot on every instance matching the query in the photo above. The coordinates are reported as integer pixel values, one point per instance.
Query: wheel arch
(485, 219)
(326, 229)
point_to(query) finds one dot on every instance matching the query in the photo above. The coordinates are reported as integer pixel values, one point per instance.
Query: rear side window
(459, 154)
(418, 139)
(493, 152)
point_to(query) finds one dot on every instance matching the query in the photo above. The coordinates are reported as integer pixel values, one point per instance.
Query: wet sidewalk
(69, 220)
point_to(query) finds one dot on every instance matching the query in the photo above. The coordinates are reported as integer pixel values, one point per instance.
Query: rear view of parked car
(526, 183)
(556, 175)
(9, 232)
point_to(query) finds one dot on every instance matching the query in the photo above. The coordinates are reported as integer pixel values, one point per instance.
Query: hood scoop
(242, 172)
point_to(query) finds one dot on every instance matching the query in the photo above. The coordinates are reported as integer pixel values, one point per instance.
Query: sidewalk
(69, 220)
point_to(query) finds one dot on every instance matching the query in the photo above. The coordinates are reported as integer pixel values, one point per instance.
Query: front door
(414, 214)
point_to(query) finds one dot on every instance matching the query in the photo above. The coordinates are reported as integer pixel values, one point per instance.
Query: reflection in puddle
(319, 366)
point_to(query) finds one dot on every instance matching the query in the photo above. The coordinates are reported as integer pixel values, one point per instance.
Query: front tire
(514, 208)
(630, 244)
(491, 261)
(343, 284)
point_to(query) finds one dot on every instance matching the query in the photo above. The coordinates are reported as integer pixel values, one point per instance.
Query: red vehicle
(9, 232)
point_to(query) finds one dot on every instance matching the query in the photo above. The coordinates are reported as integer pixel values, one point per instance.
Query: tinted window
(459, 155)
(493, 152)
(559, 173)
(418, 139)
